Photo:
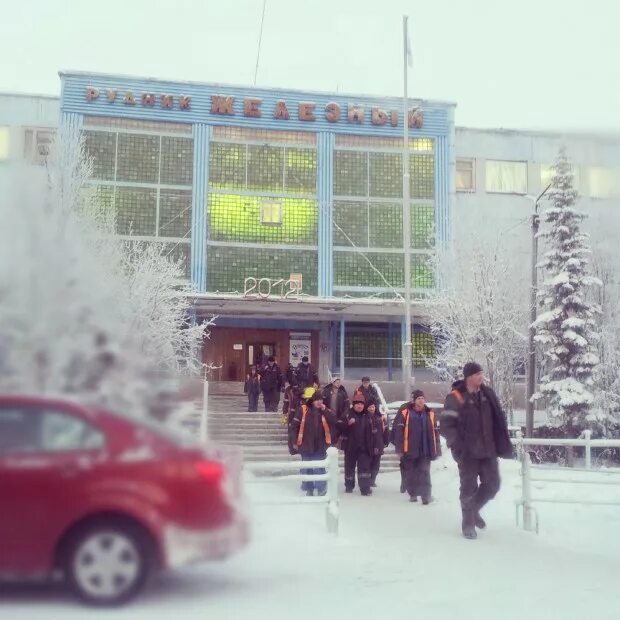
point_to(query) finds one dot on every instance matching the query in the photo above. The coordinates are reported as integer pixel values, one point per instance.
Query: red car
(103, 500)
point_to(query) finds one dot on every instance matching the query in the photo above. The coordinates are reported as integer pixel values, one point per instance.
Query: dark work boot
(469, 525)
(413, 498)
(427, 500)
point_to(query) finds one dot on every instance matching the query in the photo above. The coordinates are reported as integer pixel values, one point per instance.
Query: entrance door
(259, 353)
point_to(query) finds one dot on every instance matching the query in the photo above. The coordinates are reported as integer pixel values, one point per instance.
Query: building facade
(284, 207)
(28, 124)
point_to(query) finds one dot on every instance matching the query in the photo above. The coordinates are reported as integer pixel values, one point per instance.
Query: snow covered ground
(392, 559)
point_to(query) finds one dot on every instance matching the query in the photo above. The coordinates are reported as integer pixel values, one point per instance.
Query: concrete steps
(260, 435)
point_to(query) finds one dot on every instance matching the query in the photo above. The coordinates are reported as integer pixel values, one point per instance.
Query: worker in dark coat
(368, 391)
(306, 375)
(312, 427)
(476, 432)
(252, 389)
(356, 429)
(271, 384)
(380, 439)
(417, 441)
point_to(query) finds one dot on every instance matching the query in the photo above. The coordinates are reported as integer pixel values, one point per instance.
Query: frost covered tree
(567, 330)
(83, 312)
(480, 310)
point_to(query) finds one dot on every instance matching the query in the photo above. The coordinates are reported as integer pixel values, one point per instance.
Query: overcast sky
(544, 64)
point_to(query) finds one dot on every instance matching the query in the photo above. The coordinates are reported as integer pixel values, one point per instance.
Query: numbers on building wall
(268, 288)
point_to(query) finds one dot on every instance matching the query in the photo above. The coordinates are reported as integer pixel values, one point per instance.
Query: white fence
(266, 470)
(539, 473)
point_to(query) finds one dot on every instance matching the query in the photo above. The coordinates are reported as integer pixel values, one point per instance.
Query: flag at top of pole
(407, 41)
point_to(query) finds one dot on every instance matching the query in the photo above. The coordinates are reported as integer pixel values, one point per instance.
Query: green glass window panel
(350, 224)
(352, 269)
(177, 160)
(422, 227)
(101, 147)
(422, 271)
(135, 211)
(424, 349)
(236, 218)
(266, 168)
(138, 158)
(350, 173)
(227, 267)
(422, 171)
(386, 225)
(386, 175)
(227, 166)
(301, 171)
(103, 195)
(175, 213)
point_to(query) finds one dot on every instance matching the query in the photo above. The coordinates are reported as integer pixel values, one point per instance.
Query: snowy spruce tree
(566, 330)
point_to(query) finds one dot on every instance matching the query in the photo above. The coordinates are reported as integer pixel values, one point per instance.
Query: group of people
(472, 423)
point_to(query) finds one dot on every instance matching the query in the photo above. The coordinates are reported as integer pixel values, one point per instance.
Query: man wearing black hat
(476, 431)
(306, 375)
(367, 390)
(271, 384)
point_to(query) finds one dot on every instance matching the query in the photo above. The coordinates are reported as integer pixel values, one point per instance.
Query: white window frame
(513, 191)
(5, 142)
(271, 212)
(36, 149)
(472, 162)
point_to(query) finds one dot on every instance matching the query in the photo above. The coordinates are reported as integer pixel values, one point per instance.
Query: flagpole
(407, 346)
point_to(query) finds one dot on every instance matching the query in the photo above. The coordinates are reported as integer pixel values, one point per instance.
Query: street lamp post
(531, 363)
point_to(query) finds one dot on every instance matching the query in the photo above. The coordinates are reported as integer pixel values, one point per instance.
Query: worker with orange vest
(356, 430)
(416, 439)
(312, 428)
(380, 439)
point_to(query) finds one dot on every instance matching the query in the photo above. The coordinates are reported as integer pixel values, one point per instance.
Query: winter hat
(372, 401)
(271, 358)
(365, 379)
(471, 368)
(308, 393)
(358, 397)
(416, 394)
(316, 396)
(304, 358)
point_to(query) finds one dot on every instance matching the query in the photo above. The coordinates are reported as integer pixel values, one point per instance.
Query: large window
(262, 191)
(143, 172)
(547, 173)
(4, 143)
(604, 182)
(465, 175)
(368, 212)
(37, 144)
(506, 177)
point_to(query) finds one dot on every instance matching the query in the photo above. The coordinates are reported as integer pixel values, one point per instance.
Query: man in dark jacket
(292, 401)
(312, 427)
(416, 440)
(476, 431)
(380, 439)
(271, 384)
(252, 388)
(336, 398)
(305, 374)
(356, 429)
(367, 390)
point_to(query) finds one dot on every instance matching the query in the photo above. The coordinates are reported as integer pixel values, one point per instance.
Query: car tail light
(210, 471)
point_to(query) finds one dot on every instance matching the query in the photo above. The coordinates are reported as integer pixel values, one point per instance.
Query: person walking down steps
(252, 389)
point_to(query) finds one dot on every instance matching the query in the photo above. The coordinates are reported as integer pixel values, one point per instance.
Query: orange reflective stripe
(432, 419)
(458, 396)
(300, 435)
(406, 437)
(328, 434)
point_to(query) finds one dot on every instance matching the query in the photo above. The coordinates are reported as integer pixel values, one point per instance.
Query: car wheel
(107, 564)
